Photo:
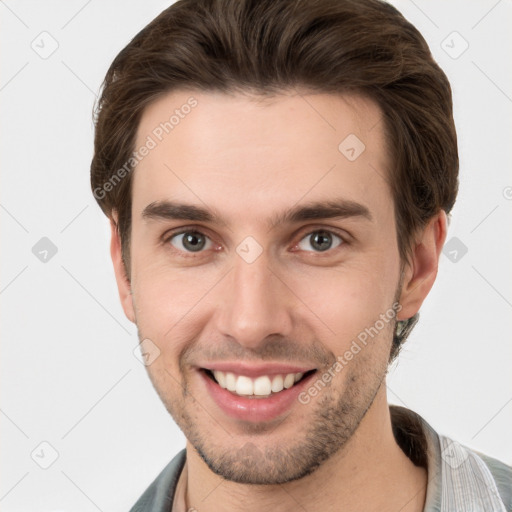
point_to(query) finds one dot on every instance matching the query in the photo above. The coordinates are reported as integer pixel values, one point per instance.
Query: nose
(255, 303)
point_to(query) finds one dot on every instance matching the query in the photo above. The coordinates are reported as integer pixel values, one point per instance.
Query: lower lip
(254, 409)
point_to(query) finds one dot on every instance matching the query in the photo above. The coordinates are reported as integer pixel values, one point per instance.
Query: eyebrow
(329, 209)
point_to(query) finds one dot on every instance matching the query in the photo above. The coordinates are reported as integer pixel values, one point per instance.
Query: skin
(247, 159)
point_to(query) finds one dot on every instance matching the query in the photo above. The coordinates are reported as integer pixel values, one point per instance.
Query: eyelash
(190, 254)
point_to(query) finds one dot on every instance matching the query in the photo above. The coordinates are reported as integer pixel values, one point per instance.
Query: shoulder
(158, 497)
(474, 477)
(460, 478)
(502, 474)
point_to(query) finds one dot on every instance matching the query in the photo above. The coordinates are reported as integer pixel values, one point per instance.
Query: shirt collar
(458, 479)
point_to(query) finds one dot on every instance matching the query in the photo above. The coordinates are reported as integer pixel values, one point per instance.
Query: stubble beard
(332, 421)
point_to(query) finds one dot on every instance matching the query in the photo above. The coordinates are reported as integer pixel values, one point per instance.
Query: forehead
(253, 156)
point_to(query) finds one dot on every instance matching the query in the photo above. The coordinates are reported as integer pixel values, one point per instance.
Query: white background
(69, 376)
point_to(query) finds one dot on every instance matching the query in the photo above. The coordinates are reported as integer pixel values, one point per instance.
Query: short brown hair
(270, 46)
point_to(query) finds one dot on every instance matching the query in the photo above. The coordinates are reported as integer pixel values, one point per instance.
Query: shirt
(459, 479)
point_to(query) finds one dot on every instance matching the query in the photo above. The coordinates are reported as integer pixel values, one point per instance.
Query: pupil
(194, 242)
(321, 240)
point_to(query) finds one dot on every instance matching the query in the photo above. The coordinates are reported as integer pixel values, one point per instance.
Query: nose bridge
(255, 303)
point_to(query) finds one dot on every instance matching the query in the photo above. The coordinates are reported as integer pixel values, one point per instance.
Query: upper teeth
(261, 386)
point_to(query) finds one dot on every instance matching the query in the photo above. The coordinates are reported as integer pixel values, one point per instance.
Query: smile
(262, 386)
(255, 393)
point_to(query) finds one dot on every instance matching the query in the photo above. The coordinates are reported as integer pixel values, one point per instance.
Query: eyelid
(345, 235)
(184, 229)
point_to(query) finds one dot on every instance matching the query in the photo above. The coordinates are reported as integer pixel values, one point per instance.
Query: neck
(370, 472)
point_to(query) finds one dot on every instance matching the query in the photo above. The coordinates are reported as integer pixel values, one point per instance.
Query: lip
(254, 410)
(257, 370)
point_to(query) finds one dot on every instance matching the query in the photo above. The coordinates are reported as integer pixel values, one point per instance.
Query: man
(278, 176)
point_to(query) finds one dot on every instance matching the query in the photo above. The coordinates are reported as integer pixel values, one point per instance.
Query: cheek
(167, 304)
(351, 298)
(163, 294)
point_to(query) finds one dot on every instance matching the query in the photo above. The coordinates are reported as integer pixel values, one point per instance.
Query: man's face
(254, 296)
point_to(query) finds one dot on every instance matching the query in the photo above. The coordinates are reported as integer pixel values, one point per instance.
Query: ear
(123, 283)
(421, 271)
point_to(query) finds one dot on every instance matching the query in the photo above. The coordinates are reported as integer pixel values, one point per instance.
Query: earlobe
(123, 283)
(421, 271)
